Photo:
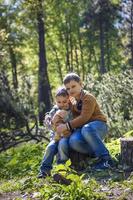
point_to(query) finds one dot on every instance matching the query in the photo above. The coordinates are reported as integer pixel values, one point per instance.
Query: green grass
(20, 161)
(19, 168)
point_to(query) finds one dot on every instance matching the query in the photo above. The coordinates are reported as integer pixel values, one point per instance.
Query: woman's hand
(61, 128)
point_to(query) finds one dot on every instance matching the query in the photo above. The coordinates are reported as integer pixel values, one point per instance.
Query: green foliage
(10, 185)
(21, 164)
(129, 134)
(21, 160)
(24, 160)
(70, 46)
(15, 105)
(115, 94)
(77, 190)
(114, 148)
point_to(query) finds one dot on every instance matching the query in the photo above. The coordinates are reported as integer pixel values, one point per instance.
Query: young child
(60, 113)
(91, 124)
(61, 116)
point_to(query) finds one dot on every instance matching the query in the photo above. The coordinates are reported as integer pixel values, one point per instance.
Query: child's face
(74, 88)
(62, 102)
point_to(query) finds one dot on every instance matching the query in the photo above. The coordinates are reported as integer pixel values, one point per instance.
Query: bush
(115, 95)
(22, 160)
(15, 105)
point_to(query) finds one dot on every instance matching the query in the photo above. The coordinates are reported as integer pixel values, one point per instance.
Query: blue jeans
(63, 150)
(88, 139)
(52, 149)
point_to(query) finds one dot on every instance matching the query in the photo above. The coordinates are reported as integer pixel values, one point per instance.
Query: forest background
(42, 40)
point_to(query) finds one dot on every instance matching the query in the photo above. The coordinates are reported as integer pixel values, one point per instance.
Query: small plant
(21, 161)
(115, 93)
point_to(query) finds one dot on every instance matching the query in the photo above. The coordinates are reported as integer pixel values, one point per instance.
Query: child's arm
(58, 119)
(48, 117)
(47, 121)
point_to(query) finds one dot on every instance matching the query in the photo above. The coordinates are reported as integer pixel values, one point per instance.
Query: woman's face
(74, 88)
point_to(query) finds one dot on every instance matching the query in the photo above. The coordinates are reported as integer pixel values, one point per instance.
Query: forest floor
(19, 169)
(115, 185)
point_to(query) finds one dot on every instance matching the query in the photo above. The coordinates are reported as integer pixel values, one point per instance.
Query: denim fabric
(63, 150)
(50, 152)
(78, 143)
(60, 148)
(88, 139)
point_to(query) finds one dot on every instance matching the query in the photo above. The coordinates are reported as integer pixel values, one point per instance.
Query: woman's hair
(61, 91)
(71, 77)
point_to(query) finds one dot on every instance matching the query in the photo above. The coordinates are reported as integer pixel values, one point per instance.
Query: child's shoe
(44, 174)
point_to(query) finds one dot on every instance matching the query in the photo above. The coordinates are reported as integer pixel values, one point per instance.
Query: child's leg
(63, 150)
(48, 158)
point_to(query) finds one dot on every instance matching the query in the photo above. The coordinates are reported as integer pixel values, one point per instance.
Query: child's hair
(71, 77)
(61, 91)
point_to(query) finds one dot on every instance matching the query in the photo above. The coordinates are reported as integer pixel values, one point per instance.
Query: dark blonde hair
(61, 91)
(71, 77)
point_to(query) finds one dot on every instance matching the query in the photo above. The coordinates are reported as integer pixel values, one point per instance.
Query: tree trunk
(81, 53)
(77, 60)
(44, 92)
(102, 61)
(78, 160)
(58, 63)
(127, 153)
(92, 58)
(132, 35)
(66, 34)
(107, 50)
(71, 46)
(14, 67)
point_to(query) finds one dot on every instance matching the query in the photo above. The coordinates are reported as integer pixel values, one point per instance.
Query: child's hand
(62, 113)
(61, 128)
(57, 136)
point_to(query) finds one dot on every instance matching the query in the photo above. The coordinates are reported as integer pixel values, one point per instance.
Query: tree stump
(78, 160)
(127, 153)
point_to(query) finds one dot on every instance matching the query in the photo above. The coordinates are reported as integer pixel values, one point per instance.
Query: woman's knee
(63, 144)
(87, 130)
(75, 142)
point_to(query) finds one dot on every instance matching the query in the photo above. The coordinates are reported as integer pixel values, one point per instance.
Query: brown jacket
(89, 110)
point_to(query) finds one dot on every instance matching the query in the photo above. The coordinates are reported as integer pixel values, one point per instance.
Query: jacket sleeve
(88, 107)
